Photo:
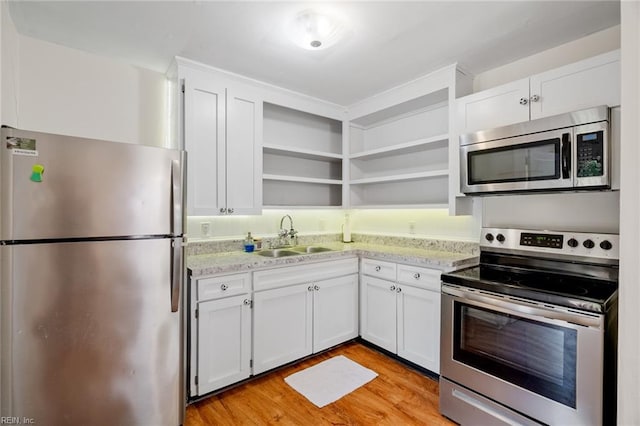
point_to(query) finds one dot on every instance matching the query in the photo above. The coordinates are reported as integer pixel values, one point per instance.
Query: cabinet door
(499, 106)
(224, 342)
(592, 82)
(419, 326)
(204, 138)
(378, 312)
(335, 311)
(282, 326)
(243, 153)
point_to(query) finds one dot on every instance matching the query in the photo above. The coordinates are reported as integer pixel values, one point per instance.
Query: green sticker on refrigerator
(36, 172)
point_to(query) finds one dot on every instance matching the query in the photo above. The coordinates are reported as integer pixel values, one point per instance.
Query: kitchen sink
(278, 253)
(310, 249)
(292, 251)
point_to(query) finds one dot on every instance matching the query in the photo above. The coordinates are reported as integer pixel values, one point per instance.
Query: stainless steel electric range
(530, 335)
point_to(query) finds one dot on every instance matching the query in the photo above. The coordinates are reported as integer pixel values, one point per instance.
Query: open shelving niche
(302, 159)
(399, 156)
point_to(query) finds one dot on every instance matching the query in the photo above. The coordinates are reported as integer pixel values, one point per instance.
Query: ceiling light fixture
(314, 31)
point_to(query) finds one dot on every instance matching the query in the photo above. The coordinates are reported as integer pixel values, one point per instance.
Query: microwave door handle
(566, 155)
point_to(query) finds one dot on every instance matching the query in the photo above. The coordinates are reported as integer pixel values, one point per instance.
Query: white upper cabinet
(496, 107)
(302, 159)
(584, 84)
(399, 144)
(223, 139)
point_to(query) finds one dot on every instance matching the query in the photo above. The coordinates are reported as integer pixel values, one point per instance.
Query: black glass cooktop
(552, 287)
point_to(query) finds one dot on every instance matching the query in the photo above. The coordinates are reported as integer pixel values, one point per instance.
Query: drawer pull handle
(392, 288)
(416, 275)
(378, 268)
(223, 287)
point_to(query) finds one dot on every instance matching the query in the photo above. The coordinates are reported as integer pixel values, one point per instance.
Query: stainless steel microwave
(562, 152)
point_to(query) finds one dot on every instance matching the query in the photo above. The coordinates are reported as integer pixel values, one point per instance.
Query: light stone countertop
(238, 261)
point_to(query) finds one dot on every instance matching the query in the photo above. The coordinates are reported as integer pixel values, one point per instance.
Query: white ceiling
(388, 43)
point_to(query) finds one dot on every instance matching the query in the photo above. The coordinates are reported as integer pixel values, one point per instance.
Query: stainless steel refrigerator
(92, 270)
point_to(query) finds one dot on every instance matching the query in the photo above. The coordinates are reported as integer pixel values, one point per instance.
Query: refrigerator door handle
(177, 196)
(177, 259)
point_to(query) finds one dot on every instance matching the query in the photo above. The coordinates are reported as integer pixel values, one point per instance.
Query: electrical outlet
(205, 228)
(412, 227)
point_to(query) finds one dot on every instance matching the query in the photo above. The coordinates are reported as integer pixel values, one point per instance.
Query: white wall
(67, 91)
(425, 223)
(586, 47)
(629, 314)
(266, 225)
(8, 68)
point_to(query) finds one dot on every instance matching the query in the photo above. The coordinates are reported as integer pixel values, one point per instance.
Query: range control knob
(588, 244)
(489, 237)
(500, 238)
(606, 245)
(573, 243)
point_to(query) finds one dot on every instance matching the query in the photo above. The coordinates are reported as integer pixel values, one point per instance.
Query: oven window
(538, 160)
(533, 355)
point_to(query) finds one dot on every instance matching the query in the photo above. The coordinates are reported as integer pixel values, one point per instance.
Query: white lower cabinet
(316, 312)
(403, 315)
(224, 342)
(220, 332)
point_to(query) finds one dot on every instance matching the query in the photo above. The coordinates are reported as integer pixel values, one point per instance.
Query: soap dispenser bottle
(248, 243)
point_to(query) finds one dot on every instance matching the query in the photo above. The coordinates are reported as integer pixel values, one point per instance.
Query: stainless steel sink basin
(292, 251)
(311, 249)
(278, 253)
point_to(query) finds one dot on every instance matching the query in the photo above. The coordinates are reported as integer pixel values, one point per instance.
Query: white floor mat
(330, 380)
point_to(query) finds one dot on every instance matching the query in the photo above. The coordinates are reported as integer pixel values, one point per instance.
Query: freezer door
(63, 187)
(89, 336)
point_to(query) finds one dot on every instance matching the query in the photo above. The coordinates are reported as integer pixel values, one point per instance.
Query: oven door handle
(521, 307)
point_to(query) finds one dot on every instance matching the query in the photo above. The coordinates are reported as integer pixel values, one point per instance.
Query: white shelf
(399, 148)
(294, 207)
(306, 154)
(401, 177)
(300, 179)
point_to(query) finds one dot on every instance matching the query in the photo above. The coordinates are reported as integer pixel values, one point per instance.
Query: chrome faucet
(284, 233)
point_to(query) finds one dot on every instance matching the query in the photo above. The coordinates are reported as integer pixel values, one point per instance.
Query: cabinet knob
(378, 268)
(398, 290)
(223, 287)
(392, 288)
(524, 101)
(416, 275)
(247, 302)
(310, 288)
(534, 98)
(316, 288)
(230, 211)
(223, 210)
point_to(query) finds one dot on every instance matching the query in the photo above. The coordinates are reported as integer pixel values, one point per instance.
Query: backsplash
(423, 243)
(219, 246)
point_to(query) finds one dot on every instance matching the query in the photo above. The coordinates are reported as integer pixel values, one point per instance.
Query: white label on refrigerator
(26, 152)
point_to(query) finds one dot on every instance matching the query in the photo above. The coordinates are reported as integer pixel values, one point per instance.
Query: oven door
(542, 361)
(539, 161)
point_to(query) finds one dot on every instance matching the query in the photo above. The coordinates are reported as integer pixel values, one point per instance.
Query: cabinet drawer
(223, 286)
(379, 269)
(303, 273)
(419, 277)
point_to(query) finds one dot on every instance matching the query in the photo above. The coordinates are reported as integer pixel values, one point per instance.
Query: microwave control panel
(590, 147)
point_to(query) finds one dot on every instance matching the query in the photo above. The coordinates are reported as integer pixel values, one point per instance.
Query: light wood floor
(398, 396)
